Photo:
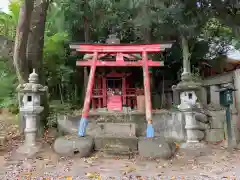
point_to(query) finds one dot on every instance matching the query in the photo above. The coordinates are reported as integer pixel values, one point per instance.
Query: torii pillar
(147, 94)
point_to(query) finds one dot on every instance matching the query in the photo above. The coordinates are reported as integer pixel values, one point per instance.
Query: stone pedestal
(194, 134)
(30, 146)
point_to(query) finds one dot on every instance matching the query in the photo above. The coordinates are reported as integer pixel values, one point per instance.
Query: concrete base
(214, 135)
(165, 123)
(156, 148)
(118, 129)
(195, 149)
(116, 144)
(74, 145)
(193, 145)
(29, 151)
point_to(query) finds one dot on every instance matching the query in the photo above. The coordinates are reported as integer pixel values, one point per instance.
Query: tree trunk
(20, 47)
(35, 51)
(146, 29)
(36, 38)
(19, 55)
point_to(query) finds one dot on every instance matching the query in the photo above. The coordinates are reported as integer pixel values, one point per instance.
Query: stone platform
(117, 133)
(166, 124)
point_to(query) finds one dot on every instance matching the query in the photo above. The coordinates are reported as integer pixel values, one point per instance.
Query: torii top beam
(117, 48)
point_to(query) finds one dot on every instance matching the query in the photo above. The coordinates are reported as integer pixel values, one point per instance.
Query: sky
(4, 5)
(234, 54)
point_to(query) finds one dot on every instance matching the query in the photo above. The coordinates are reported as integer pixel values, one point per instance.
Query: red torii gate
(96, 51)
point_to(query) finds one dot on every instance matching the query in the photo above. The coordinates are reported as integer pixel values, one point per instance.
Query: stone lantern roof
(187, 84)
(32, 85)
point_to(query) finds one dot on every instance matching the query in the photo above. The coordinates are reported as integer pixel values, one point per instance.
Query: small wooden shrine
(114, 90)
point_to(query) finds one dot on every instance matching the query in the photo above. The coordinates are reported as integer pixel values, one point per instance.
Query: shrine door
(114, 94)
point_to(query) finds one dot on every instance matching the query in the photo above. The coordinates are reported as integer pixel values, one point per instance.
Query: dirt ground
(215, 164)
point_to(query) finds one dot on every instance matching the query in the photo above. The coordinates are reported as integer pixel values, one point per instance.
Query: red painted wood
(114, 103)
(129, 104)
(119, 57)
(104, 91)
(117, 75)
(120, 63)
(100, 87)
(132, 48)
(124, 90)
(147, 91)
(94, 103)
(90, 85)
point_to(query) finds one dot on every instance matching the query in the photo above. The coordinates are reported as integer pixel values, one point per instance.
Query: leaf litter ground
(219, 164)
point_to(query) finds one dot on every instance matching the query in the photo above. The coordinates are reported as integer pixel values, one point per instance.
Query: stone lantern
(30, 108)
(188, 105)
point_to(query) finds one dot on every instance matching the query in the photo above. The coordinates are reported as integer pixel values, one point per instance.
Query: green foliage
(9, 21)
(14, 10)
(7, 84)
(56, 109)
(135, 21)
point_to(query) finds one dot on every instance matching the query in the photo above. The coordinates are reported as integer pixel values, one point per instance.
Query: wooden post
(147, 94)
(84, 120)
(104, 81)
(124, 91)
(94, 104)
(99, 87)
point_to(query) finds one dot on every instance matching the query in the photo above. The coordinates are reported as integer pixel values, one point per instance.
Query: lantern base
(29, 150)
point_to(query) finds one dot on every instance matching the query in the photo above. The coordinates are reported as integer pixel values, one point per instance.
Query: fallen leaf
(177, 145)
(140, 178)
(94, 175)
(131, 170)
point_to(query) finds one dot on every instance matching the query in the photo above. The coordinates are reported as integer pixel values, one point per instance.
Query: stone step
(118, 129)
(94, 128)
(73, 145)
(116, 144)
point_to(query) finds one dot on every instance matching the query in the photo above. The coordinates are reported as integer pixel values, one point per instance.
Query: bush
(8, 83)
